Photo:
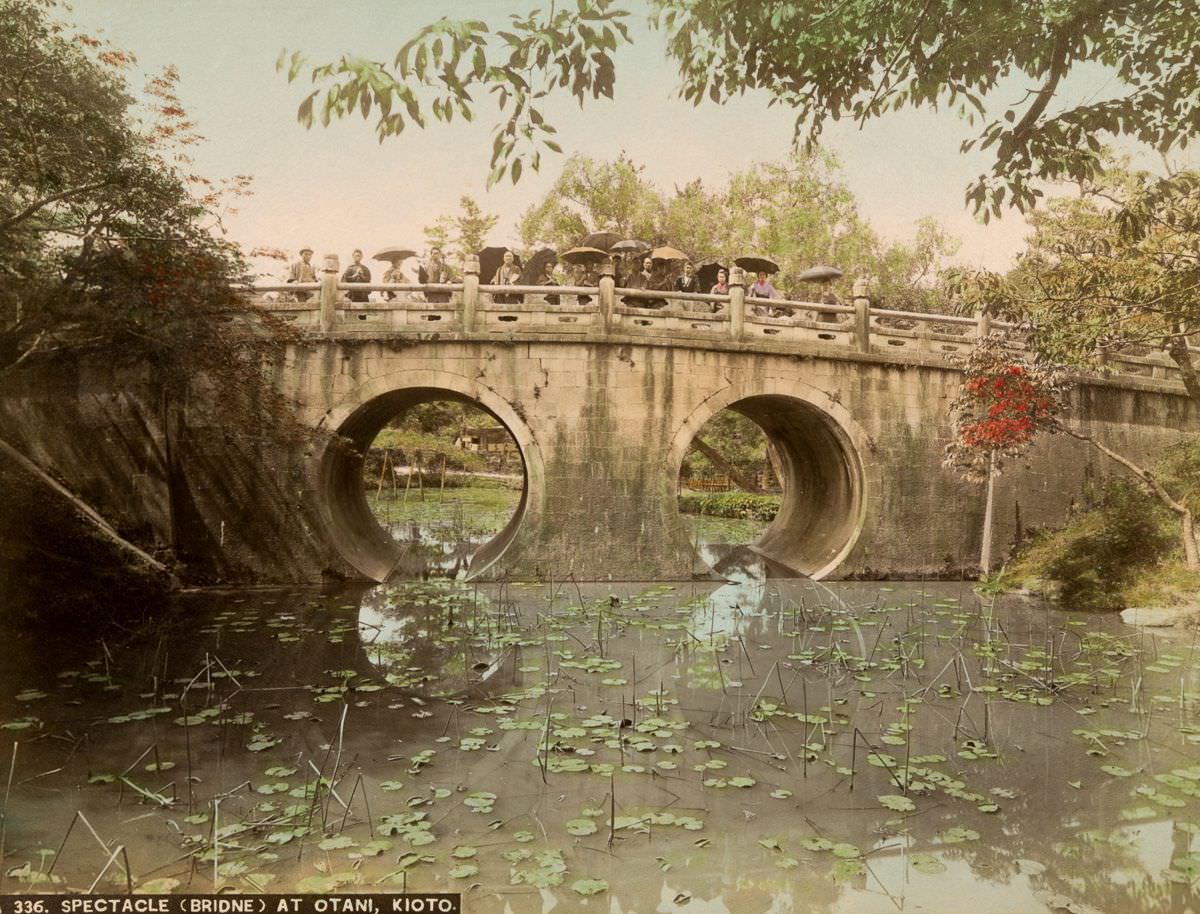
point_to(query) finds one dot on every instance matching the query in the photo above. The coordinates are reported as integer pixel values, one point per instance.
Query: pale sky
(337, 188)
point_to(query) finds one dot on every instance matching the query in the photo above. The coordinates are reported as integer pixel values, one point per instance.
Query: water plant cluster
(694, 742)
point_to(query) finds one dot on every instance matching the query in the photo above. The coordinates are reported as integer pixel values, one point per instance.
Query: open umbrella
(757, 264)
(490, 259)
(820, 274)
(629, 246)
(393, 255)
(535, 267)
(707, 275)
(667, 253)
(601, 240)
(583, 255)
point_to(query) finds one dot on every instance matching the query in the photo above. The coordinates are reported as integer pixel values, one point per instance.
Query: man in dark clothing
(436, 272)
(357, 272)
(688, 281)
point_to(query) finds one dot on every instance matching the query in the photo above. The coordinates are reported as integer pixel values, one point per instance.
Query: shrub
(741, 505)
(1102, 549)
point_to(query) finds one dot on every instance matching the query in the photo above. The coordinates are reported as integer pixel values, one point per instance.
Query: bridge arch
(823, 511)
(358, 418)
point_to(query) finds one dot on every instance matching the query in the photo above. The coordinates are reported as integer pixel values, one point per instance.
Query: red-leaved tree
(1004, 403)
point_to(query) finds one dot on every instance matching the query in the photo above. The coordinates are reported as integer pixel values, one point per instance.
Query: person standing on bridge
(646, 279)
(303, 271)
(762, 288)
(357, 272)
(394, 274)
(688, 281)
(508, 275)
(721, 287)
(549, 280)
(436, 271)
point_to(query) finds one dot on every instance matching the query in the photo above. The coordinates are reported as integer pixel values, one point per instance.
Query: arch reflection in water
(440, 638)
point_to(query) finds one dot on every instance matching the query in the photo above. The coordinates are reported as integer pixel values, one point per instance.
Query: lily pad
(588, 887)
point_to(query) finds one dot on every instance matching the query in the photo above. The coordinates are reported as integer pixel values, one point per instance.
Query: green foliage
(593, 196)
(856, 60)
(1114, 267)
(1179, 468)
(425, 450)
(1102, 550)
(736, 438)
(105, 236)
(462, 232)
(449, 64)
(799, 211)
(743, 505)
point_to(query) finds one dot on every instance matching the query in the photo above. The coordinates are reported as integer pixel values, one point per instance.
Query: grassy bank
(1123, 549)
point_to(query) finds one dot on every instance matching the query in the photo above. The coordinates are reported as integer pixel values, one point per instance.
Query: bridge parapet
(607, 310)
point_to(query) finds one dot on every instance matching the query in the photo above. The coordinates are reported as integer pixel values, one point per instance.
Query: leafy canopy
(1114, 268)
(826, 60)
(798, 211)
(107, 242)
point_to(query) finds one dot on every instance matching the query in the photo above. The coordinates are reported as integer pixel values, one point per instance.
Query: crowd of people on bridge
(636, 272)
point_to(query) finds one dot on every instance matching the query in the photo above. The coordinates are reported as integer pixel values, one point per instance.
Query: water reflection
(764, 745)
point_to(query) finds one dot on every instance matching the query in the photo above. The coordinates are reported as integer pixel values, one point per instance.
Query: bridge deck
(807, 327)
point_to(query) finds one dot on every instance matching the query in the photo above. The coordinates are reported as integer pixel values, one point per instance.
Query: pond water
(752, 746)
(440, 529)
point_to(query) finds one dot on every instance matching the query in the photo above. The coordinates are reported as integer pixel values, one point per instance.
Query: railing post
(862, 316)
(983, 323)
(737, 303)
(329, 281)
(608, 283)
(924, 338)
(470, 296)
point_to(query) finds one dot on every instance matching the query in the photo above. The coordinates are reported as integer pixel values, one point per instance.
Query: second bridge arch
(822, 507)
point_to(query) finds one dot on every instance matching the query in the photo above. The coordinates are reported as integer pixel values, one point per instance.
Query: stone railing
(604, 309)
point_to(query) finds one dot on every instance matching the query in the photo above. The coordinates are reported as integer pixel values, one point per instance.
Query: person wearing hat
(303, 271)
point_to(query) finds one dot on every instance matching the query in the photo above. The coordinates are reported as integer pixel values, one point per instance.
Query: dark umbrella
(535, 267)
(601, 240)
(707, 275)
(820, 274)
(393, 254)
(583, 255)
(629, 246)
(489, 262)
(757, 264)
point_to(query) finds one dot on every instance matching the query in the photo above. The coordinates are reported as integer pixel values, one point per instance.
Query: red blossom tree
(1003, 405)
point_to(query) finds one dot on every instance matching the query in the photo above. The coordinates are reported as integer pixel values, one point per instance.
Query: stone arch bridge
(603, 396)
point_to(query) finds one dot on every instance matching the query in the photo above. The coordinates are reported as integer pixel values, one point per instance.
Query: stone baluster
(737, 303)
(329, 281)
(862, 316)
(983, 323)
(608, 285)
(470, 295)
(924, 337)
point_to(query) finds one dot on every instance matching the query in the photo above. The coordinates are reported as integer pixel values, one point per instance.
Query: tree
(1114, 268)
(799, 211)
(594, 196)
(826, 60)
(107, 244)
(1004, 404)
(464, 232)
